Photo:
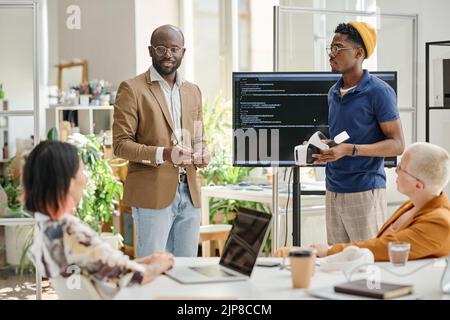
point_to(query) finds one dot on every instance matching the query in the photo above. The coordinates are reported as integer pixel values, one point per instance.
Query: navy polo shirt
(359, 112)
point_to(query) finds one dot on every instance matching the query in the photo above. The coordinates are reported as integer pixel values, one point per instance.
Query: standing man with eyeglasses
(365, 107)
(158, 128)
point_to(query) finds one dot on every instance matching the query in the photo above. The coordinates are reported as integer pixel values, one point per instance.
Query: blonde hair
(431, 164)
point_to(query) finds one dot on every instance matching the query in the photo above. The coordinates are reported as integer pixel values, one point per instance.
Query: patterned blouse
(68, 245)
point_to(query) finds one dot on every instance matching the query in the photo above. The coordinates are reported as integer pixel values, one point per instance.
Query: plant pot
(15, 238)
(219, 217)
(114, 240)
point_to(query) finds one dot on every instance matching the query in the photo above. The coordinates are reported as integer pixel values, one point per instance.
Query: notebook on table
(382, 290)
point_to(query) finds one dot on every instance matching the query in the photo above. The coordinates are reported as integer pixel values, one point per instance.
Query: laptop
(242, 248)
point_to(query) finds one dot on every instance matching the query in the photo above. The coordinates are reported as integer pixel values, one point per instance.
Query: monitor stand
(296, 206)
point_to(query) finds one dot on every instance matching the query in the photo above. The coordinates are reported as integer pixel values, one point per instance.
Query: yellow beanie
(368, 35)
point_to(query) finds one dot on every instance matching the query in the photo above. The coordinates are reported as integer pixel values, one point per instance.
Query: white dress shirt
(173, 101)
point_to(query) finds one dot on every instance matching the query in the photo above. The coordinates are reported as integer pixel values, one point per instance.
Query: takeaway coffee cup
(302, 266)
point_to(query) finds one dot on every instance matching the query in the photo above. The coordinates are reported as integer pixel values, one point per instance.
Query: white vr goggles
(303, 153)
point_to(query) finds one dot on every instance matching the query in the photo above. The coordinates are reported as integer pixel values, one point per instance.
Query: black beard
(164, 72)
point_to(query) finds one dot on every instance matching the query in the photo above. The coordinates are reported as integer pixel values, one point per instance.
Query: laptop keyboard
(212, 272)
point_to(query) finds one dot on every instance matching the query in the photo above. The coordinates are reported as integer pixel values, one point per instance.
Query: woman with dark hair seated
(54, 181)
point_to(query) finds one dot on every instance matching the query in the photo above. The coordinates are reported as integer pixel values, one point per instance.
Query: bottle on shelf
(5, 151)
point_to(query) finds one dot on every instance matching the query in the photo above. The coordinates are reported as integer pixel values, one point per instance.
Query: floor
(14, 286)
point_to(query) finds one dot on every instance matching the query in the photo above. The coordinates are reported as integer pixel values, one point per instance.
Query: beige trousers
(354, 216)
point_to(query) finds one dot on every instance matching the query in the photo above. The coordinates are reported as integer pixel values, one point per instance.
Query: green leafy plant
(103, 192)
(10, 203)
(217, 118)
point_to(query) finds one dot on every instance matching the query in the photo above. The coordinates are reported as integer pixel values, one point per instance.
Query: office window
(304, 36)
(227, 36)
(206, 39)
(244, 27)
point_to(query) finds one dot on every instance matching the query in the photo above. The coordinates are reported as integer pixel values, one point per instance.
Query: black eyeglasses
(161, 50)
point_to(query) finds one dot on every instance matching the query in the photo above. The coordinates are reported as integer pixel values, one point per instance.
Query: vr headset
(303, 153)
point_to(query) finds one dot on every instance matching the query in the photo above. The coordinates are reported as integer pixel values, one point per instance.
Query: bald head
(166, 31)
(167, 50)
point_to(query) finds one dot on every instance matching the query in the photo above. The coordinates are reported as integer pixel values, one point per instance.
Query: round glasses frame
(335, 50)
(162, 50)
(399, 168)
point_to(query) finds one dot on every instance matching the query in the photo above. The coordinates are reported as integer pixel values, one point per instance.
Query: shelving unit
(90, 119)
(4, 127)
(28, 108)
(434, 75)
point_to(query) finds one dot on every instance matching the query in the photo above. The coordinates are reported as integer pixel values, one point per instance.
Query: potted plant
(217, 117)
(16, 236)
(102, 193)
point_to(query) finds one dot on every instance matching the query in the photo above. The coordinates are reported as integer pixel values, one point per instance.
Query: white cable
(348, 277)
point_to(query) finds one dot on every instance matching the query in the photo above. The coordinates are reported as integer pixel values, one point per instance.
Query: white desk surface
(255, 193)
(314, 203)
(275, 284)
(16, 221)
(247, 194)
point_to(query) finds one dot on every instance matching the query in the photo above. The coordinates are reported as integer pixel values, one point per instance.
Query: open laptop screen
(245, 240)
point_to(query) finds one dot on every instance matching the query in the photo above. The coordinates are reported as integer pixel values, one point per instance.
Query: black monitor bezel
(234, 74)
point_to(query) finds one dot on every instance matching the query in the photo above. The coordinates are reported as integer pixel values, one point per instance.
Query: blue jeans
(174, 229)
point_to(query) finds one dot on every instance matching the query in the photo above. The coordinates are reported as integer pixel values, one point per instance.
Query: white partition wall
(19, 72)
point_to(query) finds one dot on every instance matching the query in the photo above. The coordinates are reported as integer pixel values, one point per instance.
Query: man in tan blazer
(158, 128)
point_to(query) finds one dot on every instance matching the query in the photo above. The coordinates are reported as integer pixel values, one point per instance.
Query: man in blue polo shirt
(365, 107)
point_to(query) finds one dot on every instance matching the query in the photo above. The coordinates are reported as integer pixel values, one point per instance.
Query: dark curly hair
(352, 34)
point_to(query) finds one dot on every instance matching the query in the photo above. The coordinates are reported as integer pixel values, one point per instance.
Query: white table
(25, 222)
(312, 205)
(16, 221)
(247, 194)
(275, 284)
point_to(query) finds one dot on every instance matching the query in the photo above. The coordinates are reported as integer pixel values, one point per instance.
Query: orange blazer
(142, 123)
(428, 232)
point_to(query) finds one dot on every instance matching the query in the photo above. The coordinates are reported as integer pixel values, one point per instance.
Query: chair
(214, 232)
(75, 287)
(120, 170)
(129, 233)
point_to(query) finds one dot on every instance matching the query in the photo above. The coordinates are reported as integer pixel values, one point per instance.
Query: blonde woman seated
(53, 182)
(424, 220)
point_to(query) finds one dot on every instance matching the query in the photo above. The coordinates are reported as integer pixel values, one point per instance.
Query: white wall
(16, 70)
(262, 34)
(53, 43)
(113, 38)
(106, 38)
(150, 14)
(434, 25)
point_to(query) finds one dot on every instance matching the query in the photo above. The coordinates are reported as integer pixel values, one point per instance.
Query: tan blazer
(142, 123)
(428, 232)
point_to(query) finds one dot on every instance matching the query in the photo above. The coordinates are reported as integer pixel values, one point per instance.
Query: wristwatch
(355, 150)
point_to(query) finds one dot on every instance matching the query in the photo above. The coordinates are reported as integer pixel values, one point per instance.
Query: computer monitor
(275, 111)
